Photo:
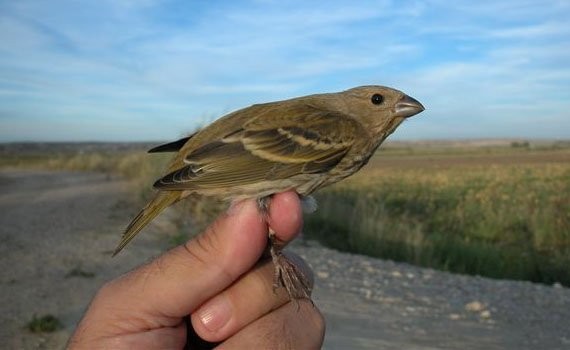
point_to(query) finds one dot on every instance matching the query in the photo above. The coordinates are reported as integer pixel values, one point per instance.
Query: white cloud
(542, 30)
(474, 65)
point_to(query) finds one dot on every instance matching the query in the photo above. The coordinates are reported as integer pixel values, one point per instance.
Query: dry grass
(481, 216)
(493, 211)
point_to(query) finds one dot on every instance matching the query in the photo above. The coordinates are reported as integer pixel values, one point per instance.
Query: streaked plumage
(303, 144)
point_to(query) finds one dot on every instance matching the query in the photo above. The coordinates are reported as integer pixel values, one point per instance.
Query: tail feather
(162, 200)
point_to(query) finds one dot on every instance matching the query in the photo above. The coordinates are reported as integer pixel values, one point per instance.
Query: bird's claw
(289, 276)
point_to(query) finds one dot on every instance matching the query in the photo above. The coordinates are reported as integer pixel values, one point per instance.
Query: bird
(302, 144)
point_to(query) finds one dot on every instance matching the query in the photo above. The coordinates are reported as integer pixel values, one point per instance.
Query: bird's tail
(162, 200)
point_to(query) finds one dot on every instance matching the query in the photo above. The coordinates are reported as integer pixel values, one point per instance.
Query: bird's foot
(287, 274)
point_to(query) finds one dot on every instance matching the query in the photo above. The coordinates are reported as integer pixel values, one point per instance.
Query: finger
(289, 327)
(177, 282)
(247, 300)
(285, 216)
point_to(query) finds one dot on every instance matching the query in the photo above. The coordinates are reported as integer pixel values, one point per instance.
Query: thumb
(159, 294)
(176, 283)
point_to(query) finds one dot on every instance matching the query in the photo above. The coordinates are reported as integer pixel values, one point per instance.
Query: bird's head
(380, 108)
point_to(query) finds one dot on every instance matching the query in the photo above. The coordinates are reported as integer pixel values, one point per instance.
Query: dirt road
(57, 231)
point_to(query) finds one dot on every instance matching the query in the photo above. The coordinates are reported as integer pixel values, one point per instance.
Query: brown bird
(304, 144)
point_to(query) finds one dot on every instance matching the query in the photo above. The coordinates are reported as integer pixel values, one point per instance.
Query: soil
(58, 230)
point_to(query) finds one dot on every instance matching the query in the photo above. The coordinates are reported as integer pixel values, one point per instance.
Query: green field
(498, 212)
(501, 211)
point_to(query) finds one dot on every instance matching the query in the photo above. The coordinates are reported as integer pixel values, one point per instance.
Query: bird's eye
(377, 99)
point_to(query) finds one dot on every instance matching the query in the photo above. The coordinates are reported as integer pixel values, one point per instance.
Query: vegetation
(483, 217)
(498, 211)
(45, 324)
(78, 271)
(132, 163)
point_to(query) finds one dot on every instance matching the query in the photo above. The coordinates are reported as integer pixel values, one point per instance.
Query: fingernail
(215, 313)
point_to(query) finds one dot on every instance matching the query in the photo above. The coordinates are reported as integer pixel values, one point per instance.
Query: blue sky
(154, 70)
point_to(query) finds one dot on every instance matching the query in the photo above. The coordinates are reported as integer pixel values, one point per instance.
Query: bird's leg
(287, 274)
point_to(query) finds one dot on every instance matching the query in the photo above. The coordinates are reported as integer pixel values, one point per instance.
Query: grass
(44, 324)
(79, 272)
(499, 211)
(134, 165)
(497, 220)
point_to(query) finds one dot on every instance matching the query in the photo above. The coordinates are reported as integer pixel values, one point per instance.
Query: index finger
(179, 281)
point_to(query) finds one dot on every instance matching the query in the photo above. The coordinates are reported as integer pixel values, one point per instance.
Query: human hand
(215, 279)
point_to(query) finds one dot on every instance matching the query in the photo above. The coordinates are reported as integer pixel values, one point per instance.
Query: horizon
(491, 141)
(155, 70)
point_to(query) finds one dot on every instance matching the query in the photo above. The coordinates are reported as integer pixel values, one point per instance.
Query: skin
(300, 144)
(217, 280)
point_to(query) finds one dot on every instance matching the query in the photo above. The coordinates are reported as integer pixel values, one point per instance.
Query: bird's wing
(174, 146)
(267, 149)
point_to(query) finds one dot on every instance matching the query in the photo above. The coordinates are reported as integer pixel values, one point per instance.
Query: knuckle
(320, 326)
(309, 336)
(205, 251)
(203, 246)
(284, 338)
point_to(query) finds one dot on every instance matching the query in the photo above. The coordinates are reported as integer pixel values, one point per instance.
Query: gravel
(388, 305)
(58, 229)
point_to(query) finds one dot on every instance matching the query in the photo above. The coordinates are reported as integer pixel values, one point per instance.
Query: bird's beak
(407, 107)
